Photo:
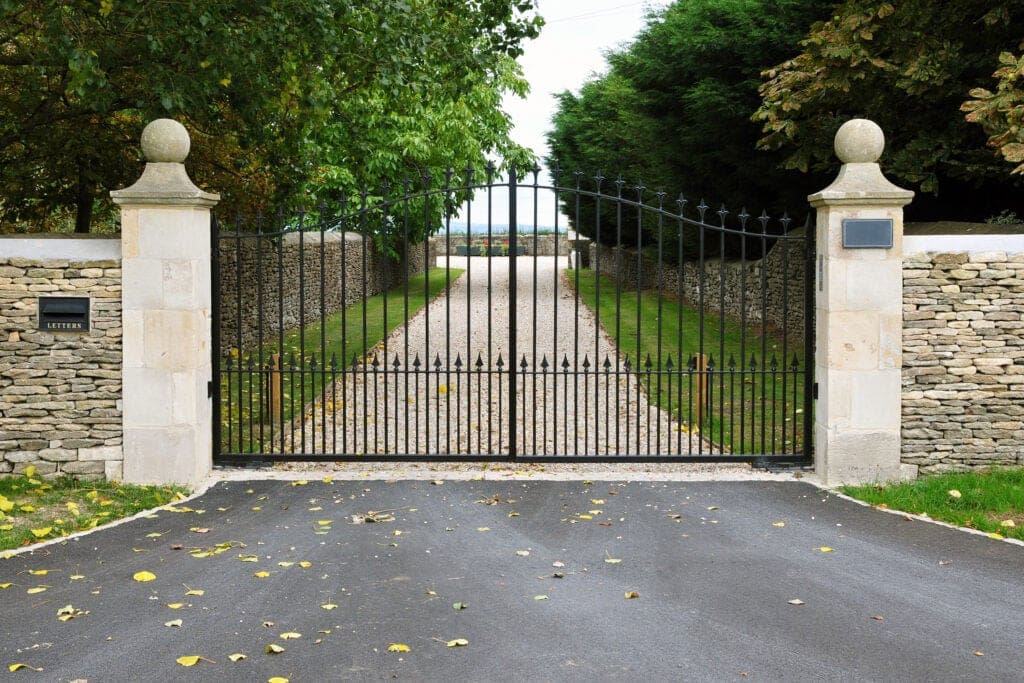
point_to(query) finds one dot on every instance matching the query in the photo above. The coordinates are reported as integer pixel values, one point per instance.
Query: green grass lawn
(991, 501)
(33, 509)
(755, 388)
(246, 417)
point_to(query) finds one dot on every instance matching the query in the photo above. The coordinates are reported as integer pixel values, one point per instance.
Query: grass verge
(991, 501)
(33, 509)
(248, 423)
(754, 400)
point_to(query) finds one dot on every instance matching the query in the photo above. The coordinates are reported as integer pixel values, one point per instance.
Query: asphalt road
(714, 571)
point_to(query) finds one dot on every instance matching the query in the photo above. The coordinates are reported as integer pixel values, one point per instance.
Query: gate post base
(167, 363)
(859, 315)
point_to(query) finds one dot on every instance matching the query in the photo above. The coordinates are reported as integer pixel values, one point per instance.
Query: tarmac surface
(336, 572)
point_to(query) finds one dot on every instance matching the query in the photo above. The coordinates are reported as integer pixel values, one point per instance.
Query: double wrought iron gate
(466, 320)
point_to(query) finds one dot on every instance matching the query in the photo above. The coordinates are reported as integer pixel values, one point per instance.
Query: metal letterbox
(64, 313)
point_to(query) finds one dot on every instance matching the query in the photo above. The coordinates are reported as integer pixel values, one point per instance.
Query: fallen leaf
(305, 565)
(795, 601)
(329, 606)
(194, 591)
(174, 623)
(878, 617)
(632, 594)
(175, 605)
(713, 507)
(586, 517)
(6, 585)
(483, 528)
(612, 560)
(300, 482)
(285, 564)
(457, 642)
(35, 590)
(261, 574)
(979, 653)
(291, 635)
(953, 493)
(995, 536)
(237, 657)
(40, 533)
(18, 666)
(825, 549)
(597, 501)
(438, 482)
(189, 660)
(155, 534)
(398, 647)
(459, 605)
(273, 649)
(199, 530)
(143, 577)
(540, 597)
(522, 553)
(778, 524)
(277, 679)
(38, 572)
(558, 564)
(1008, 523)
(325, 522)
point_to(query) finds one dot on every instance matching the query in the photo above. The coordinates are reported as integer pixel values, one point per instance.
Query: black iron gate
(463, 320)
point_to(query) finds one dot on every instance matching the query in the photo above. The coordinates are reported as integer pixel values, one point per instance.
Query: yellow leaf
(329, 606)
(76, 577)
(995, 536)
(632, 594)
(19, 665)
(586, 517)
(1008, 523)
(174, 623)
(248, 558)
(398, 647)
(195, 591)
(325, 522)
(6, 527)
(273, 649)
(522, 553)
(188, 660)
(199, 530)
(42, 533)
(953, 493)
(483, 528)
(778, 524)
(6, 585)
(237, 657)
(175, 605)
(291, 635)
(143, 577)
(36, 590)
(825, 549)
(285, 564)
(305, 565)
(277, 679)
(612, 560)
(226, 81)
(458, 642)
(300, 482)
(30, 471)
(38, 572)
(597, 501)
(540, 597)
(261, 574)
(155, 534)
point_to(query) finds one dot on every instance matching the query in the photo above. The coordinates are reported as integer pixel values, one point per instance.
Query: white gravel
(442, 411)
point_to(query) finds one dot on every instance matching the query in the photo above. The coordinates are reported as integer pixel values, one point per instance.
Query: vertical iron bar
(321, 393)
(810, 236)
(513, 245)
(345, 406)
(302, 331)
(618, 301)
(215, 359)
(238, 332)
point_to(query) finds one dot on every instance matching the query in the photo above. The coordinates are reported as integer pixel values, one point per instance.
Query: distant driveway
(732, 581)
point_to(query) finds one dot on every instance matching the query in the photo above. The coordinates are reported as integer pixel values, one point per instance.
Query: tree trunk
(83, 203)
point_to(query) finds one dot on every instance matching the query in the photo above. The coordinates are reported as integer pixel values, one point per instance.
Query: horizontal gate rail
(675, 335)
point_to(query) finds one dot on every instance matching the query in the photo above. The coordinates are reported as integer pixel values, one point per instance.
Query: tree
(1001, 114)
(908, 66)
(674, 108)
(259, 83)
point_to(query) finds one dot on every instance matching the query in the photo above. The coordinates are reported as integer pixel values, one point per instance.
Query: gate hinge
(814, 391)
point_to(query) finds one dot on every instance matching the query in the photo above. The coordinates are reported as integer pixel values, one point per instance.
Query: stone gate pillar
(165, 244)
(859, 314)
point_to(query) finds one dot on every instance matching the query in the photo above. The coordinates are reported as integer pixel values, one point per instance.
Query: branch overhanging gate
(339, 336)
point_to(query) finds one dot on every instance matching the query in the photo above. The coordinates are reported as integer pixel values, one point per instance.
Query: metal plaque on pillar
(867, 233)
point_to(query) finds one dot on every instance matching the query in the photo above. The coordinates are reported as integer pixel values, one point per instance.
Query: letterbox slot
(64, 313)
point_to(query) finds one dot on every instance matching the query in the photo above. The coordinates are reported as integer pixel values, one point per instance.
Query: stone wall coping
(60, 247)
(923, 244)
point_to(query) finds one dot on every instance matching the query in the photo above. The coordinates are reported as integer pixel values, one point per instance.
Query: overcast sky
(570, 48)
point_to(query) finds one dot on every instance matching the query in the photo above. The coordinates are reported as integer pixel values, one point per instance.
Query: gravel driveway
(574, 395)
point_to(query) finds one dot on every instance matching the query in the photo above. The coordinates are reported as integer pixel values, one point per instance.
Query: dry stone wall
(963, 360)
(768, 290)
(60, 392)
(300, 278)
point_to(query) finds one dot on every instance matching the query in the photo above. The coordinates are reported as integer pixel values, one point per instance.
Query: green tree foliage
(282, 96)
(907, 65)
(1001, 113)
(674, 110)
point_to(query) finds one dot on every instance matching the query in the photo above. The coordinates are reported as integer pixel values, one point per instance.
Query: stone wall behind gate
(60, 393)
(334, 273)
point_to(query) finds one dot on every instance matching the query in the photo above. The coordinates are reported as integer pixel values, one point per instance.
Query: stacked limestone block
(60, 392)
(963, 360)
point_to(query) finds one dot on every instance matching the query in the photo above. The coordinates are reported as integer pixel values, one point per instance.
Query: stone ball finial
(859, 141)
(165, 141)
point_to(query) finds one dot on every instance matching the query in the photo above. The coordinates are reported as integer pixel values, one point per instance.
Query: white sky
(569, 50)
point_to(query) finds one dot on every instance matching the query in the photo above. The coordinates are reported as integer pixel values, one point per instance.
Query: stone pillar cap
(165, 144)
(859, 144)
